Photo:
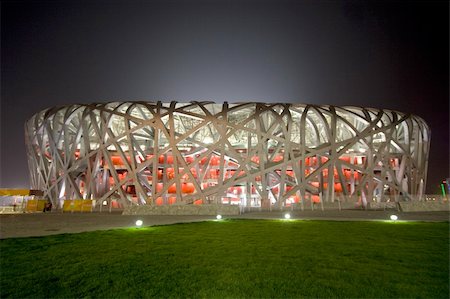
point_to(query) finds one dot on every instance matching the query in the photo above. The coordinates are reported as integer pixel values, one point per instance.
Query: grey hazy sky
(379, 54)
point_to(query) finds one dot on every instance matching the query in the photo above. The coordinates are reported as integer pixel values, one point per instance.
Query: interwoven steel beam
(251, 154)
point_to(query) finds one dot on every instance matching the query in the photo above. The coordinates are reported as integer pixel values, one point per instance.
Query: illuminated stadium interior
(248, 154)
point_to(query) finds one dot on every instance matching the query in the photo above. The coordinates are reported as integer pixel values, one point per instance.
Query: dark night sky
(392, 55)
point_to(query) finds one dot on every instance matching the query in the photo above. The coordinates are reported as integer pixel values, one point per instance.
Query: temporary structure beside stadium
(250, 154)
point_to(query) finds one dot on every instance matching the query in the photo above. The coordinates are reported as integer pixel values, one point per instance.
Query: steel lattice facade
(251, 154)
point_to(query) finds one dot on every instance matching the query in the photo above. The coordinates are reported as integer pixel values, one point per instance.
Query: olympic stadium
(247, 154)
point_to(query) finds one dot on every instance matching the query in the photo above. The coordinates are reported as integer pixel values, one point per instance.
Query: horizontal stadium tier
(248, 154)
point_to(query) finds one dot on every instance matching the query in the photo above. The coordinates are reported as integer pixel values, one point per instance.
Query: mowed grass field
(233, 259)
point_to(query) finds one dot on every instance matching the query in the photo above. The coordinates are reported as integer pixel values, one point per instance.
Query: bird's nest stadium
(248, 154)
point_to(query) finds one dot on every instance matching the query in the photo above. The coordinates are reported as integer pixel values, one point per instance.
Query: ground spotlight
(287, 216)
(394, 217)
(218, 217)
(139, 223)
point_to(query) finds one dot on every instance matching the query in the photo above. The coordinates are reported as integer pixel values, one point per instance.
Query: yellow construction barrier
(77, 205)
(35, 205)
(86, 205)
(14, 192)
(67, 206)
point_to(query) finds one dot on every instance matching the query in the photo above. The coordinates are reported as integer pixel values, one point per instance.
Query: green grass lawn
(233, 259)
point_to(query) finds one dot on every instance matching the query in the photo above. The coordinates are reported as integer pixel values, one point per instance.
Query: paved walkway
(40, 224)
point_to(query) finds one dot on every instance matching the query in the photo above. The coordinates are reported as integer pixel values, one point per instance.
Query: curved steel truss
(252, 154)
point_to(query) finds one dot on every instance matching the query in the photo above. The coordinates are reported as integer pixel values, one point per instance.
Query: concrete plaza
(41, 224)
